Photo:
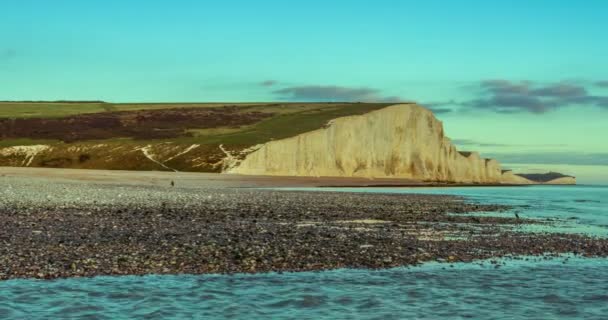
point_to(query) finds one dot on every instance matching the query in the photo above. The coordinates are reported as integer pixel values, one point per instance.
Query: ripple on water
(535, 288)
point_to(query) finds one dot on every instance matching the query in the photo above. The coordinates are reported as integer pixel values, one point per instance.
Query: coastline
(217, 180)
(58, 226)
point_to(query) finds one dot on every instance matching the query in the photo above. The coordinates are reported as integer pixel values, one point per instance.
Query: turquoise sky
(523, 81)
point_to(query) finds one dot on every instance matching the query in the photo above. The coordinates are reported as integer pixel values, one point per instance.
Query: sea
(566, 287)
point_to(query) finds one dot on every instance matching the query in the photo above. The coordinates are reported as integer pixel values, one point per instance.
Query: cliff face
(400, 141)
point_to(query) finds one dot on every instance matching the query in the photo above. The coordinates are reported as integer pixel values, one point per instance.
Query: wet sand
(62, 224)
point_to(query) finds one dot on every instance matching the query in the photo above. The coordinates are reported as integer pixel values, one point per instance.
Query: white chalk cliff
(399, 141)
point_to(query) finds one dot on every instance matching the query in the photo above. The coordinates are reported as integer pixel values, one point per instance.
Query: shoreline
(490, 262)
(218, 180)
(65, 228)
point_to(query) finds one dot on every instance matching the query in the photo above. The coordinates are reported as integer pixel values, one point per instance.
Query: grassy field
(45, 124)
(48, 110)
(22, 110)
(287, 120)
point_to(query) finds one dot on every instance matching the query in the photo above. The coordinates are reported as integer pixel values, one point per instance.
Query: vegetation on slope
(185, 137)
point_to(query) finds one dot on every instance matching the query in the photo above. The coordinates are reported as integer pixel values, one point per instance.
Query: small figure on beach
(516, 216)
(172, 183)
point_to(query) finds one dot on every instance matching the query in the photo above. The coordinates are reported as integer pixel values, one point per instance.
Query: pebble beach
(58, 228)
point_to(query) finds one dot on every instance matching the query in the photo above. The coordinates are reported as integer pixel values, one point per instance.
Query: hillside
(184, 137)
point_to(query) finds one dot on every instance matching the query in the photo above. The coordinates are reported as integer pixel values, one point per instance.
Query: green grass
(303, 118)
(290, 119)
(15, 110)
(48, 110)
(292, 124)
(57, 110)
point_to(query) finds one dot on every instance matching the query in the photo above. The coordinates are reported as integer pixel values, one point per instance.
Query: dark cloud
(563, 158)
(600, 101)
(268, 83)
(439, 110)
(511, 103)
(505, 96)
(334, 93)
(505, 86)
(561, 90)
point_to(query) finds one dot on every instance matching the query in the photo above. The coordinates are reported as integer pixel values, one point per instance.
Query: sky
(523, 81)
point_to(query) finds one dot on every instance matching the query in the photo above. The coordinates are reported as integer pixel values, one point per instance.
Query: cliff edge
(399, 141)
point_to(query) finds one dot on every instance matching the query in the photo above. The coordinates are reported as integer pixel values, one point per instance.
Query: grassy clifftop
(157, 136)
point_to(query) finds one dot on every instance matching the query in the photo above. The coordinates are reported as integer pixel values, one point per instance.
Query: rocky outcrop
(508, 177)
(564, 181)
(399, 141)
(554, 178)
(549, 178)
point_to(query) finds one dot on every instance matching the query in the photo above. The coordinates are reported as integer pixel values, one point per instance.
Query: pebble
(89, 230)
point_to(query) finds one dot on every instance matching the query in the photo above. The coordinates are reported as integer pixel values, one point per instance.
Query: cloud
(603, 84)
(471, 142)
(561, 90)
(564, 158)
(440, 107)
(440, 110)
(468, 142)
(268, 83)
(505, 96)
(6, 54)
(334, 93)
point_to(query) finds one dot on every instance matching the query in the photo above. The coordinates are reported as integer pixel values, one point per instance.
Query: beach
(72, 225)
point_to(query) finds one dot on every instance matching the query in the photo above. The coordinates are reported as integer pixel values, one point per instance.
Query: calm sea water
(562, 288)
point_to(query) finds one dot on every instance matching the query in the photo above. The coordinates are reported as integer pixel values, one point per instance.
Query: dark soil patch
(142, 124)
